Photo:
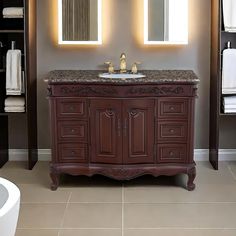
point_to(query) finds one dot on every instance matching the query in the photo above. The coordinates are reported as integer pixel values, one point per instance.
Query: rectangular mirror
(80, 21)
(166, 21)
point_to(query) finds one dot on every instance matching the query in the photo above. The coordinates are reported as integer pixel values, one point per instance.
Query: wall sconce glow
(76, 30)
(165, 22)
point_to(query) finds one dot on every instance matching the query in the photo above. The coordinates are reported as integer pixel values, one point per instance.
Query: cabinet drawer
(172, 153)
(172, 107)
(73, 152)
(72, 107)
(69, 130)
(170, 130)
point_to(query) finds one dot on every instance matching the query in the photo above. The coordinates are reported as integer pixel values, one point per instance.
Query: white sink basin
(121, 76)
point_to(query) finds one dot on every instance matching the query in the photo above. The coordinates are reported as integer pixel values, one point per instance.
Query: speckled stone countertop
(91, 76)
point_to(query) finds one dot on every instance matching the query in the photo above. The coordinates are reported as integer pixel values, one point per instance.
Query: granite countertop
(91, 76)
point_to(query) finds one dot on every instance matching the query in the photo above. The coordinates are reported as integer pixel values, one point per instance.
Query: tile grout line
(63, 217)
(122, 211)
(231, 172)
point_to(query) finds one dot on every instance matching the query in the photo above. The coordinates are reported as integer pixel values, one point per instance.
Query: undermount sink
(121, 76)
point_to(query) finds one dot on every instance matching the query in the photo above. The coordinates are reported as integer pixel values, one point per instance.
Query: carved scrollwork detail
(88, 90)
(110, 112)
(134, 112)
(49, 93)
(156, 90)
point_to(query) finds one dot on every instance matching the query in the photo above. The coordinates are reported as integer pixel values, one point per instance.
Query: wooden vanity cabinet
(122, 131)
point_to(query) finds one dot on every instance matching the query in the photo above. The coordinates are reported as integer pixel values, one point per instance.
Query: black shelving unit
(219, 39)
(23, 32)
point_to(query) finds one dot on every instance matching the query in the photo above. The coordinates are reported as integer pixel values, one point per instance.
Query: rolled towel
(13, 11)
(15, 102)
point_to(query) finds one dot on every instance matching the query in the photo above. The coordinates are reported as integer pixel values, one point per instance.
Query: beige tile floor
(146, 206)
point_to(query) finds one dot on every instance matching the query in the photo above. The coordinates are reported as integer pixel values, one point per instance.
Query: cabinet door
(106, 135)
(138, 131)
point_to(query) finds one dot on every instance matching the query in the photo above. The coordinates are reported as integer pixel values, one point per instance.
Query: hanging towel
(229, 9)
(13, 73)
(13, 11)
(229, 71)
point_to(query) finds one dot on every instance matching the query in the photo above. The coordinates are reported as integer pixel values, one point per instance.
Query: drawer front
(170, 130)
(173, 108)
(72, 108)
(69, 130)
(172, 153)
(73, 152)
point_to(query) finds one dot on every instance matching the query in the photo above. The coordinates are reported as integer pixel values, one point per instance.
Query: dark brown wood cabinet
(23, 32)
(122, 131)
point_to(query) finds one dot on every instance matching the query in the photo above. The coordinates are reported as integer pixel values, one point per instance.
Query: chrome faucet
(123, 64)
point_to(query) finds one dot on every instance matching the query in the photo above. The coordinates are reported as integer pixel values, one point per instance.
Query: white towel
(13, 73)
(229, 9)
(13, 11)
(14, 109)
(13, 16)
(15, 102)
(229, 71)
(229, 100)
(230, 106)
(230, 111)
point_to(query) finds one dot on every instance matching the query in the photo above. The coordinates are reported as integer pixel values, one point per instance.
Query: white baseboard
(199, 154)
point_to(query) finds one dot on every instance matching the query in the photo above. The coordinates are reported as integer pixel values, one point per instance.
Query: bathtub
(9, 207)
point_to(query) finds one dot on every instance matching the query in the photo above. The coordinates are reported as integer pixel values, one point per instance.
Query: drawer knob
(171, 154)
(72, 131)
(72, 108)
(172, 108)
(172, 131)
(73, 152)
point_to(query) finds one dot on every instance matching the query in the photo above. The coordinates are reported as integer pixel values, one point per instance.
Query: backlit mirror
(80, 21)
(165, 21)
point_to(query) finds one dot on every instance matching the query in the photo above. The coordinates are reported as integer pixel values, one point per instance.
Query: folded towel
(15, 102)
(14, 109)
(230, 106)
(13, 73)
(229, 71)
(229, 9)
(229, 110)
(13, 11)
(13, 16)
(229, 100)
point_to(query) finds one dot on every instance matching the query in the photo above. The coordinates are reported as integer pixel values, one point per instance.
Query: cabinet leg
(191, 176)
(55, 179)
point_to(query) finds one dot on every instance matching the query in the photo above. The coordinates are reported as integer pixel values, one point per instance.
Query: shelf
(12, 113)
(227, 114)
(11, 31)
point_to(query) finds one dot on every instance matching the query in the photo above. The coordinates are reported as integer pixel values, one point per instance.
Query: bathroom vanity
(122, 128)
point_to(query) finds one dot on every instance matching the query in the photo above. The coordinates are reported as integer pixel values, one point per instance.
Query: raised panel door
(138, 131)
(106, 136)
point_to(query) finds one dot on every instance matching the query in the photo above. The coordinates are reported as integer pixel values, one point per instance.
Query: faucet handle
(134, 69)
(110, 67)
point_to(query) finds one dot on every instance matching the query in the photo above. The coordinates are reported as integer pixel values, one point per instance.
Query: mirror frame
(60, 34)
(146, 32)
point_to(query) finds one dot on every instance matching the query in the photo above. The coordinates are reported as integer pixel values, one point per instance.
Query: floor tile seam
(231, 171)
(64, 213)
(175, 203)
(70, 228)
(122, 210)
(48, 203)
(179, 228)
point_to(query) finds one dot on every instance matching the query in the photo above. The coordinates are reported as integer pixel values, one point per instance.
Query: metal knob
(171, 154)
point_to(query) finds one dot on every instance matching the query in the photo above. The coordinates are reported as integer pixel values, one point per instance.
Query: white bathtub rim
(13, 196)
